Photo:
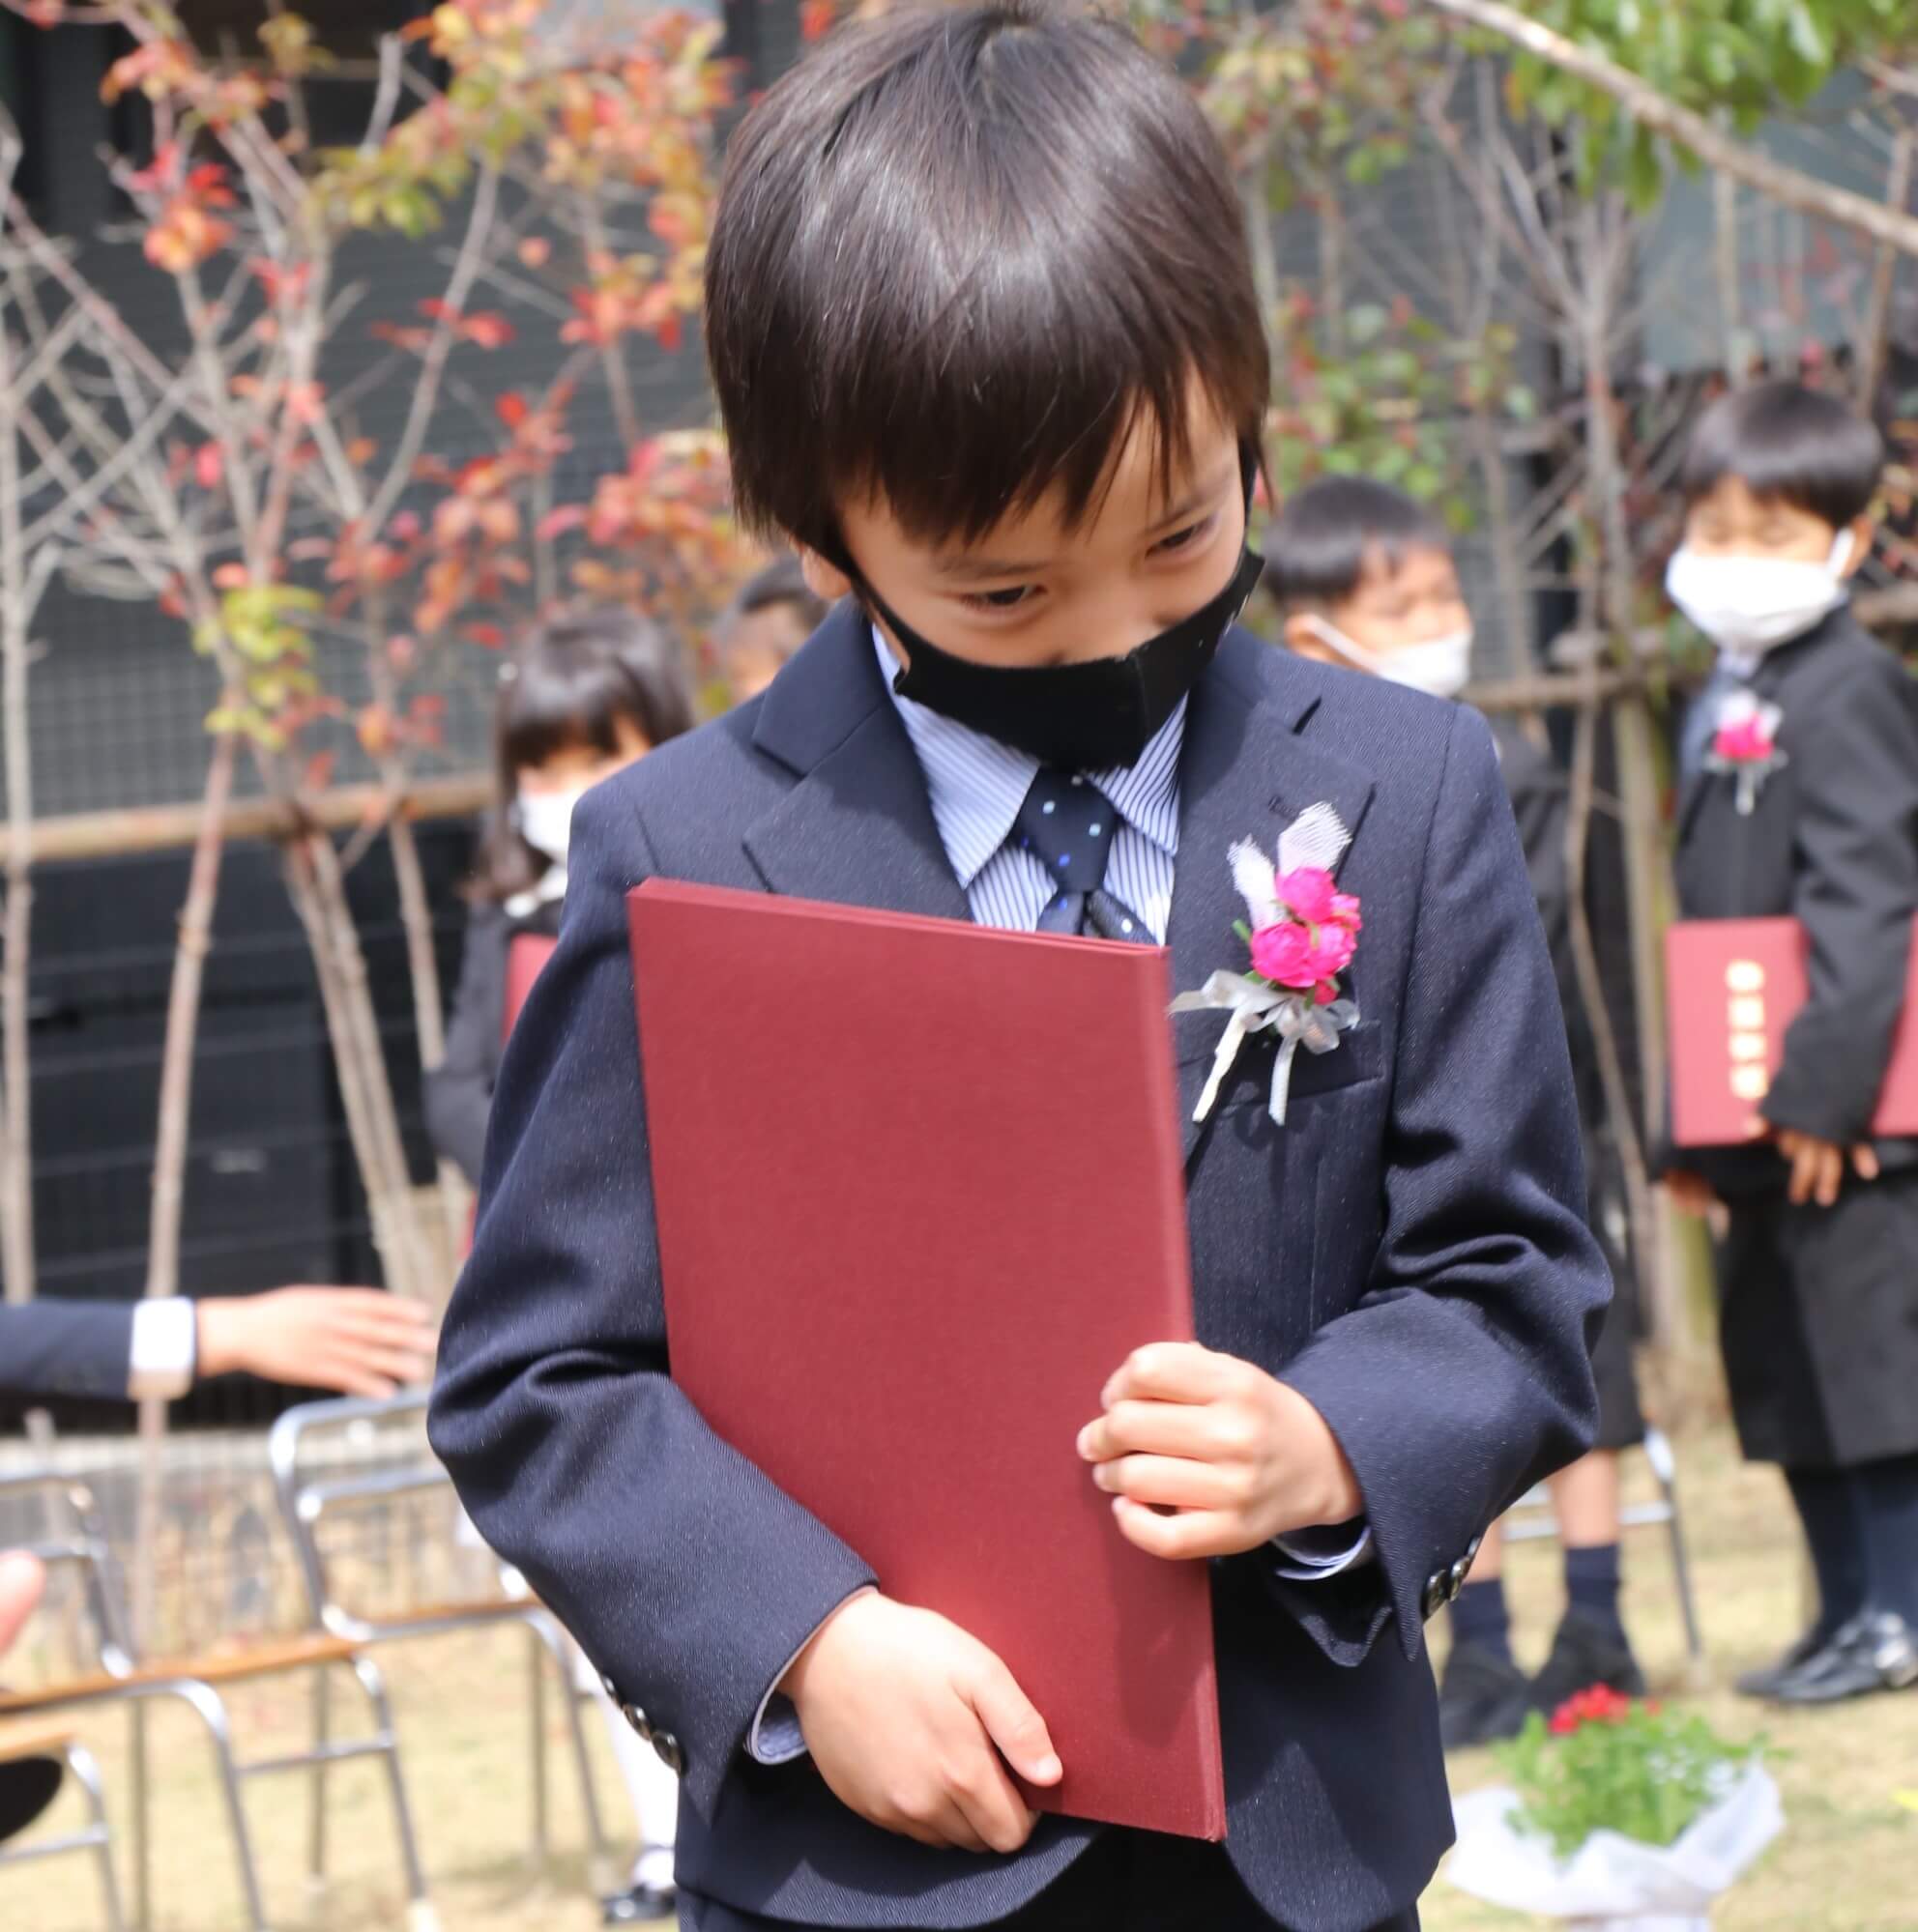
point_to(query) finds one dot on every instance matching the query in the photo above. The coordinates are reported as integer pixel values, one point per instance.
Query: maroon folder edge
(1732, 989)
(918, 1193)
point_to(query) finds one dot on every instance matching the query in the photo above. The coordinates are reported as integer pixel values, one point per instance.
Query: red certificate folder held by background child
(1732, 988)
(919, 1193)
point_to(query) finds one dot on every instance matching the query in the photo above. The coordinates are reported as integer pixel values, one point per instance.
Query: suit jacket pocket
(1360, 1056)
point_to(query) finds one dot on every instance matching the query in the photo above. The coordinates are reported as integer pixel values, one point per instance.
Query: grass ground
(1847, 1862)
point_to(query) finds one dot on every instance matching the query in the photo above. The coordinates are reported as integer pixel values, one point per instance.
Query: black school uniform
(1541, 804)
(1820, 1306)
(460, 1090)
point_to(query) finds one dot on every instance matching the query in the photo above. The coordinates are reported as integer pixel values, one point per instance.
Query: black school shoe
(1484, 1698)
(1587, 1650)
(642, 1905)
(1765, 1679)
(1877, 1649)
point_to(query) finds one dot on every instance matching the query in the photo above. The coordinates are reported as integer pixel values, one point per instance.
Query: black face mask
(1095, 716)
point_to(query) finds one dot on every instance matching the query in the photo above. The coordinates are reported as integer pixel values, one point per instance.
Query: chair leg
(316, 1822)
(86, 1774)
(420, 1913)
(604, 1871)
(536, 1699)
(1658, 1453)
(136, 1719)
(213, 1714)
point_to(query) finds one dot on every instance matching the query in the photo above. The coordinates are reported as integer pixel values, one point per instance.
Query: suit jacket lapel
(1247, 771)
(857, 828)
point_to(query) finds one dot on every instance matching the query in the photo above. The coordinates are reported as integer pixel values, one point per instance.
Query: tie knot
(1067, 823)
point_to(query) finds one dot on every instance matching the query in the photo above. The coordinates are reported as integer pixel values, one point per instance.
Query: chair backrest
(378, 1535)
(56, 1518)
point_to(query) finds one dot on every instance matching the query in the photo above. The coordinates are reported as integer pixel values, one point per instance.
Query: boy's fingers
(1167, 1371)
(992, 1807)
(1865, 1162)
(1152, 1428)
(1012, 1722)
(1172, 1482)
(1192, 1534)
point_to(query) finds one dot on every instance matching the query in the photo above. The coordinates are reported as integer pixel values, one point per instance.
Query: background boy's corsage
(1745, 745)
(1301, 932)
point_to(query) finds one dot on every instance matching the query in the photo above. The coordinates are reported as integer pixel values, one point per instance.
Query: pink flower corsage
(1745, 745)
(1301, 932)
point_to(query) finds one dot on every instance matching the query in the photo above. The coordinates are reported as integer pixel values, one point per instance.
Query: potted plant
(1619, 1817)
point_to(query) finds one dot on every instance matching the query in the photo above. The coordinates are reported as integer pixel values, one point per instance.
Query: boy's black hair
(1785, 440)
(573, 681)
(782, 581)
(1317, 544)
(957, 252)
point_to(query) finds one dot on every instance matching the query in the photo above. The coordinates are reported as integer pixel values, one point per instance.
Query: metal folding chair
(317, 1485)
(44, 1738)
(1531, 1520)
(124, 1677)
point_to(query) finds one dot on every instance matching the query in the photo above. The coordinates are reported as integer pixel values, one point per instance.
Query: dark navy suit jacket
(1408, 1251)
(67, 1348)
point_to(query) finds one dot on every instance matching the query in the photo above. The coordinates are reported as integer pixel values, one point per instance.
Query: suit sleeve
(67, 1348)
(1855, 771)
(1464, 1373)
(460, 1090)
(689, 1578)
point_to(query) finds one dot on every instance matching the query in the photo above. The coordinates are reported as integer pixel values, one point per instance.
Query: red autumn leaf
(671, 334)
(303, 401)
(489, 637)
(512, 409)
(318, 773)
(361, 449)
(172, 599)
(209, 466)
(231, 577)
(536, 251)
(816, 18)
(488, 332)
(159, 172)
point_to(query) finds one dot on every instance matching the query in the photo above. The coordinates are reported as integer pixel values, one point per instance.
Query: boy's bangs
(957, 257)
(1790, 444)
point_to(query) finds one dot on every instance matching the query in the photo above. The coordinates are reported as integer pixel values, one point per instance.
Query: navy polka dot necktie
(1067, 823)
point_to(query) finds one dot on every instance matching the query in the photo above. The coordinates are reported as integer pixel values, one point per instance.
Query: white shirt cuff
(166, 1346)
(1305, 1559)
(775, 1737)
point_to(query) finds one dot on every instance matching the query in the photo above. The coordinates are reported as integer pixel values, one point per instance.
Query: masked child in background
(1800, 796)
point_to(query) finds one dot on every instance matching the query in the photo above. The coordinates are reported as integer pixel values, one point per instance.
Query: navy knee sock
(1827, 1501)
(1479, 1617)
(1591, 1584)
(1888, 1505)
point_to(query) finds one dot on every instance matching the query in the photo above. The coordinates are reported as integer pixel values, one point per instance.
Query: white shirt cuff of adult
(1308, 1559)
(775, 1737)
(166, 1347)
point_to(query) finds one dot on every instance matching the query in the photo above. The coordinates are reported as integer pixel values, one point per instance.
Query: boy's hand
(1818, 1166)
(1240, 1456)
(902, 1712)
(1691, 1194)
(361, 1341)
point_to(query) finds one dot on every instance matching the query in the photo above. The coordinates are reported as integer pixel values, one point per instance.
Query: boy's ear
(826, 581)
(1301, 637)
(1864, 530)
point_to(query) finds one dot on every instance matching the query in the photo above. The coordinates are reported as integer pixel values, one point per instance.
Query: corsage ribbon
(1255, 1006)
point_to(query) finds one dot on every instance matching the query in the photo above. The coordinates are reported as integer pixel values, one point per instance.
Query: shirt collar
(977, 785)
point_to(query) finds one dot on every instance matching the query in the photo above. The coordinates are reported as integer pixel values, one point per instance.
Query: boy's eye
(1184, 540)
(1000, 600)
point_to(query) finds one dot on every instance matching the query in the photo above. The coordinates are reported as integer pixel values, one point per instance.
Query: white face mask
(544, 819)
(1440, 667)
(1750, 605)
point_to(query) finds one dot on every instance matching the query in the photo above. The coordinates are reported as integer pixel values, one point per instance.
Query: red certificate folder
(1732, 988)
(526, 959)
(918, 1193)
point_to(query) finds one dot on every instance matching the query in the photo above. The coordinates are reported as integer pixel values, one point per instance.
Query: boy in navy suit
(983, 327)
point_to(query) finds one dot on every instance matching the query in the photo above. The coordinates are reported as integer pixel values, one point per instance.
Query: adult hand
(1691, 1194)
(360, 1341)
(1818, 1166)
(22, 1581)
(1238, 1456)
(906, 1717)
